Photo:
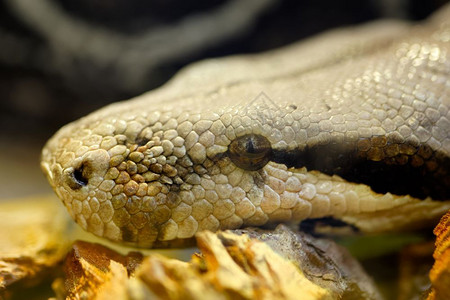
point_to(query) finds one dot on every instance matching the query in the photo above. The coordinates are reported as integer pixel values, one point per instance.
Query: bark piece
(230, 266)
(33, 239)
(322, 261)
(239, 264)
(440, 273)
(94, 271)
(415, 264)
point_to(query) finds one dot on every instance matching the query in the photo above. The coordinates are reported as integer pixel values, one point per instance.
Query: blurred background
(61, 59)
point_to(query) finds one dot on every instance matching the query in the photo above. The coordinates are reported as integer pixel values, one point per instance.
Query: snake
(350, 126)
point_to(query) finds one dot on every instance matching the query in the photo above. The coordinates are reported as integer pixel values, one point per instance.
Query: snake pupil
(250, 152)
(250, 147)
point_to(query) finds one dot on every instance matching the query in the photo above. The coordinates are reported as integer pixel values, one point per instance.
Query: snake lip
(381, 176)
(45, 166)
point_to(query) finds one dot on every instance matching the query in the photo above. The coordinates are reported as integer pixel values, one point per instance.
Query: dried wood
(440, 273)
(33, 239)
(243, 264)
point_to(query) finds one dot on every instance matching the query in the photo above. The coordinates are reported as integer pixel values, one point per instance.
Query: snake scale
(352, 125)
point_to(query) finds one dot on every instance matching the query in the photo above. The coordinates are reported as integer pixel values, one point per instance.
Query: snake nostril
(93, 164)
(76, 178)
(79, 176)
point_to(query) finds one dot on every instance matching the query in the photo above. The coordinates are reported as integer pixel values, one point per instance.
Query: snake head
(360, 134)
(155, 178)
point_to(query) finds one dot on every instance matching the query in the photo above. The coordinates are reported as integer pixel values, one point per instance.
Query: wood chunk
(94, 271)
(267, 273)
(231, 266)
(321, 260)
(416, 261)
(259, 264)
(440, 273)
(166, 278)
(33, 239)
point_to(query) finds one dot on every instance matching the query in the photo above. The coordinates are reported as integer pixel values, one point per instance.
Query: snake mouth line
(430, 179)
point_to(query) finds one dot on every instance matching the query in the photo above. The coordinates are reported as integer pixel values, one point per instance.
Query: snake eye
(250, 152)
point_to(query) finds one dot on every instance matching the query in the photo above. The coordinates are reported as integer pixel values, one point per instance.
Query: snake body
(352, 125)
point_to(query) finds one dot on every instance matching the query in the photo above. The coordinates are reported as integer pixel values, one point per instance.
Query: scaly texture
(353, 124)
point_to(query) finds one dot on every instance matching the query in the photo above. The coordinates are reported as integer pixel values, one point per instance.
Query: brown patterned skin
(353, 124)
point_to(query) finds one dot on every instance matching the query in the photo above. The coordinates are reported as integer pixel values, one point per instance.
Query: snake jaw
(310, 194)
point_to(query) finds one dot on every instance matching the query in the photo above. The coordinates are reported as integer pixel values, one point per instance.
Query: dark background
(52, 73)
